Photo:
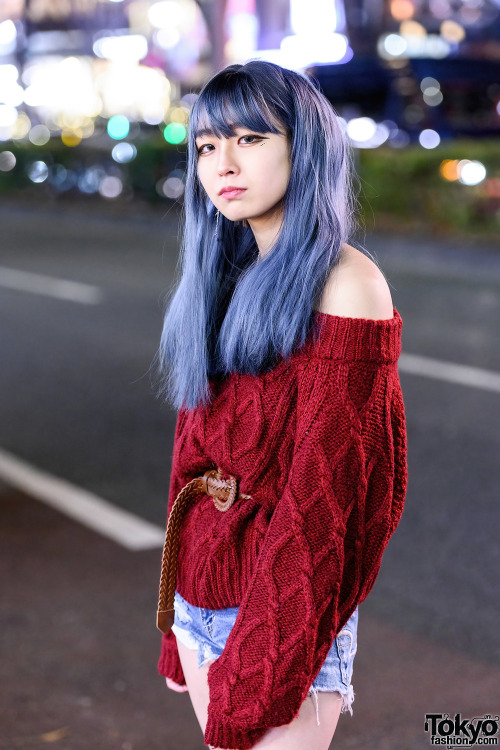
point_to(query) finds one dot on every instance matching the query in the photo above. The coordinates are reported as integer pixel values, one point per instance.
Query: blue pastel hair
(232, 310)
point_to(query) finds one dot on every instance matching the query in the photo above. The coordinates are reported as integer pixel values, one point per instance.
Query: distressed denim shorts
(206, 631)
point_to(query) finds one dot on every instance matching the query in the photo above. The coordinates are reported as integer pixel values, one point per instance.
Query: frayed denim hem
(347, 699)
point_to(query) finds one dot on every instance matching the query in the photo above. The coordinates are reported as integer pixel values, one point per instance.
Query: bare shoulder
(356, 288)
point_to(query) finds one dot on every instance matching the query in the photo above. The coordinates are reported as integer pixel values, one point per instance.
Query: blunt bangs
(229, 102)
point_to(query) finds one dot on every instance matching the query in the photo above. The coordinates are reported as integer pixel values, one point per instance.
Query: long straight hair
(233, 311)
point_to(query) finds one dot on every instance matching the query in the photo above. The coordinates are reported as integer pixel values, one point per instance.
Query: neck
(265, 230)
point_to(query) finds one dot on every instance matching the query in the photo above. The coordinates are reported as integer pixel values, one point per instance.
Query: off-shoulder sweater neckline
(353, 339)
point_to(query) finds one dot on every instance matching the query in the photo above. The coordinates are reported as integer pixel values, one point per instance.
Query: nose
(227, 162)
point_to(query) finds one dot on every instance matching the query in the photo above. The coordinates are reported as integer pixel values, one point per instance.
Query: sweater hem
(221, 734)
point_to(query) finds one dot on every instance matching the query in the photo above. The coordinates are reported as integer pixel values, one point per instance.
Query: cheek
(285, 172)
(204, 178)
(275, 174)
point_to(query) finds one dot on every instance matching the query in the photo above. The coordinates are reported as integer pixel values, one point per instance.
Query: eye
(200, 149)
(247, 140)
(252, 137)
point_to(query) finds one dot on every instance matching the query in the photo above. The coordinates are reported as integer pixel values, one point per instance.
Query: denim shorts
(206, 631)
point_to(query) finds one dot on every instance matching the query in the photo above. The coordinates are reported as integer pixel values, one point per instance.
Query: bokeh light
(153, 116)
(174, 132)
(432, 94)
(366, 133)
(124, 152)
(452, 31)
(421, 44)
(471, 172)
(395, 45)
(38, 171)
(429, 138)
(118, 127)
(448, 169)
(361, 128)
(91, 179)
(21, 127)
(301, 50)
(7, 161)
(179, 114)
(121, 48)
(440, 8)
(172, 186)
(165, 14)
(39, 135)
(399, 138)
(8, 115)
(61, 178)
(11, 92)
(111, 186)
(8, 74)
(133, 90)
(189, 99)
(401, 9)
(62, 86)
(429, 83)
(178, 15)
(167, 38)
(57, 175)
(8, 37)
(412, 28)
(71, 137)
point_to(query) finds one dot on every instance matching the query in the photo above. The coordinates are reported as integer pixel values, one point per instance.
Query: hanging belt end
(165, 619)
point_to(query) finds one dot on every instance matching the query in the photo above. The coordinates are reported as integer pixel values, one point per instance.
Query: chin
(234, 215)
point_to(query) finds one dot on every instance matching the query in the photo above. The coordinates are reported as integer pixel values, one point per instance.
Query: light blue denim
(206, 631)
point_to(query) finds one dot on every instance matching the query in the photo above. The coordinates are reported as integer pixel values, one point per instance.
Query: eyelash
(256, 137)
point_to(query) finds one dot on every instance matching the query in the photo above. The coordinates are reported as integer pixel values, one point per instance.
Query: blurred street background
(94, 104)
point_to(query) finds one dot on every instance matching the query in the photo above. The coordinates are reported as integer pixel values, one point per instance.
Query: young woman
(279, 349)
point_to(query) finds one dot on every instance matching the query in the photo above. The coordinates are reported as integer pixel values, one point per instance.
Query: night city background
(95, 95)
(95, 98)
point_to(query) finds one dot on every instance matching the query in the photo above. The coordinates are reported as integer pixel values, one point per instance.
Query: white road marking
(474, 377)
(123, 527)
(36, 283)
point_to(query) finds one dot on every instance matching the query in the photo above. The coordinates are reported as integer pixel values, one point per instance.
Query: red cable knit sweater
(320, 445)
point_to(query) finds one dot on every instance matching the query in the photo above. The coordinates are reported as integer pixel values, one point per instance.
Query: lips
(231, 191)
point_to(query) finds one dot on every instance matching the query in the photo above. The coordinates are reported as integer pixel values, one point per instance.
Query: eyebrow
(207, 131)
(204, 131)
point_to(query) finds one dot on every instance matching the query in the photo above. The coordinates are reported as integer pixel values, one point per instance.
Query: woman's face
(257, 162)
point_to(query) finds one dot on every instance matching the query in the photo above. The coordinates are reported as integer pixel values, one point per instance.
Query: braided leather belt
(224, 493)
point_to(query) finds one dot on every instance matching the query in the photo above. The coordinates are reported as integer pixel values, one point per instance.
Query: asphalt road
(77, 400)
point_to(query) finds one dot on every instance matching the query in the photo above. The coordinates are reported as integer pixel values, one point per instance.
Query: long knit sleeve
(169, 663)
(322, 549)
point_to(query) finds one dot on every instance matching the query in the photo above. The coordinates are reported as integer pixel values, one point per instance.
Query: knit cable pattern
(305, 551)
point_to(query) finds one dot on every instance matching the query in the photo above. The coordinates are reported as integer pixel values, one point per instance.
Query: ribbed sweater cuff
(220, 733)
(169, 664)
